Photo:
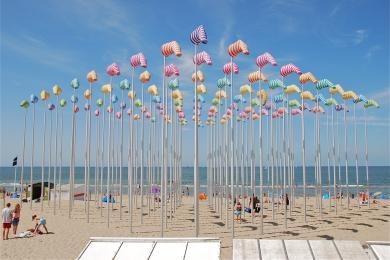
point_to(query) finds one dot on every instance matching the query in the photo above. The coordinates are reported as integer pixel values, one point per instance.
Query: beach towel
(25, 234)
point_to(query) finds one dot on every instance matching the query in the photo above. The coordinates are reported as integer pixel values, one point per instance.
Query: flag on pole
(15, 161)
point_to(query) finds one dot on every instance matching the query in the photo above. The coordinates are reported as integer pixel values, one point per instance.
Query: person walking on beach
(7, 219)
(15, 218)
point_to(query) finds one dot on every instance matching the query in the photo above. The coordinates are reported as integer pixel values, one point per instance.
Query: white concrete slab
(203, 250)
(135, 250)
(100, 251)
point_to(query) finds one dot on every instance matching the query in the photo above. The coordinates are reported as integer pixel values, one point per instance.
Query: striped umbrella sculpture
(284, 72)
(234, 50)
(62, 104)
(347, 95)
(44, 97)
(33, 100)
(57, 92)
(24, 104)
(261, 61)
(167, 49)
(74, 84)
(197, 37)
(367, 104)
(333, 91)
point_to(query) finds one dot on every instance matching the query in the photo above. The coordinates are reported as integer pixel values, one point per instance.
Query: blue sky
(51, 42)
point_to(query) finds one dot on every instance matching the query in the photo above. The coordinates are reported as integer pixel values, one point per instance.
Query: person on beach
(238, 211)
(15, 218)
(287, 201)
(7, 219)
(39, 221)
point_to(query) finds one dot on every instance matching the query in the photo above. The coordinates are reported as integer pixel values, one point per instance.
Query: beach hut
(36, 189)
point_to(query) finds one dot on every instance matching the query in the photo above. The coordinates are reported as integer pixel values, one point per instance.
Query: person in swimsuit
(39, 221)
(15, 218)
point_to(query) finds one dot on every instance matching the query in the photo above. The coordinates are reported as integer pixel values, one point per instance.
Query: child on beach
(15, 218)
(7, 219)
(238, 211)
(39, 221)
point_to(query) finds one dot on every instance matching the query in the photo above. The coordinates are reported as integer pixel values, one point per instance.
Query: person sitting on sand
(39, 221)
(238, 211)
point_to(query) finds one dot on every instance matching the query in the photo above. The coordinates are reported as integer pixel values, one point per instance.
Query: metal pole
(196, 163)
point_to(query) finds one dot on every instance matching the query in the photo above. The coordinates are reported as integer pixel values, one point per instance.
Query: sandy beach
(67, 237)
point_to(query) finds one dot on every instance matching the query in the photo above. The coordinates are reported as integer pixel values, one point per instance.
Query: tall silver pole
(60, 173)
(108, 195)
(366, 155)
(196, 163)
(356, 156)
(89, 152)
(130, 158)
(334, 164)
(50, 142)
(142, 155)
(232, 147)
(162, 172)
(43, 155)
(56, 158)
(23, 153)
(261, 160)
(346, 153)
(32, 156)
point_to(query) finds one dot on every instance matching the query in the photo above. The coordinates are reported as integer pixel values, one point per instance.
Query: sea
(379, 178)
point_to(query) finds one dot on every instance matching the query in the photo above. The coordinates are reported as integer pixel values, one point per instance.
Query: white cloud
(335, 10)
(359, 36)
(38, 51)
(107, 16)
(372, 50)
(381, 96)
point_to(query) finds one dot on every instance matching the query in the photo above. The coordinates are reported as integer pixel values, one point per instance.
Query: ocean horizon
(379, 177)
